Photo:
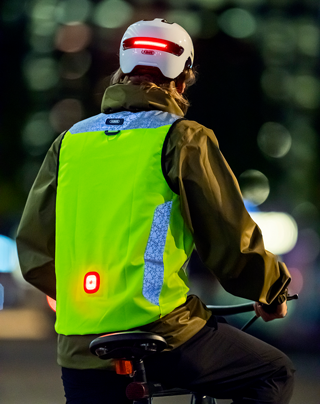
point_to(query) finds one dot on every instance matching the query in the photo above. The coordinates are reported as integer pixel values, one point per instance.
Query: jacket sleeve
(36, 231)
(228, 241)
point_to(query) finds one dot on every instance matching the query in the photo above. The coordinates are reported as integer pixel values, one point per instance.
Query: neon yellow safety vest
(120, 238)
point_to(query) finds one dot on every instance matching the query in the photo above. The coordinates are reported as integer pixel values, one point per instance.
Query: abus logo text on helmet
(148, 52)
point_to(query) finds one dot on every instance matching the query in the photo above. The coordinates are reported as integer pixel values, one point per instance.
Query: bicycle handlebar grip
(271, 308)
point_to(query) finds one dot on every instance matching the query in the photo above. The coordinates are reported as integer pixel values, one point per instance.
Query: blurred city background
(258, 89)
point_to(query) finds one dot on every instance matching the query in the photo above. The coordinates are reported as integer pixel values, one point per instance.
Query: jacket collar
(130, 97)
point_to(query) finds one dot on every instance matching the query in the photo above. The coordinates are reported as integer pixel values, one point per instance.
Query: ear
(181, 86)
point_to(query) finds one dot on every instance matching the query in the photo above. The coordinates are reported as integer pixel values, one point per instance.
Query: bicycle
(129, 348)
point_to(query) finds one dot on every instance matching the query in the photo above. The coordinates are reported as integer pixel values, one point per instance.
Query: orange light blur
(52, 303)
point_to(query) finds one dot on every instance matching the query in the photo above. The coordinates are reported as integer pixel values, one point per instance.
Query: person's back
(111, 221)
(119, 225)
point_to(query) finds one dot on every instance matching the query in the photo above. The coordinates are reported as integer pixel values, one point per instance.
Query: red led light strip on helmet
(153, 43)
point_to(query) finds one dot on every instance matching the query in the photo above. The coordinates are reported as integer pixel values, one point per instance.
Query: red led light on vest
(153, 43)
(91, 282)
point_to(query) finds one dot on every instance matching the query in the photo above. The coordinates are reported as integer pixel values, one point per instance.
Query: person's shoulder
(192, 131)
(91, 124)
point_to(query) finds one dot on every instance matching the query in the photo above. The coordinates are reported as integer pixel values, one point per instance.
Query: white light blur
(279, 230)
(8, 254)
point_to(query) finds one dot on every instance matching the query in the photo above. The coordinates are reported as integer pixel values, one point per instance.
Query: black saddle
(127, 345)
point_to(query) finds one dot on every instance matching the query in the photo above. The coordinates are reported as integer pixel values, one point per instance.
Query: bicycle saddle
(127, 345)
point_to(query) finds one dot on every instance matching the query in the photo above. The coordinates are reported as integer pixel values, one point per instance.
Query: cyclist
(112, 218)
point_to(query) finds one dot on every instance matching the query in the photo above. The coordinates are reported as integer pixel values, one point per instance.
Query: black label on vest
(114, 121)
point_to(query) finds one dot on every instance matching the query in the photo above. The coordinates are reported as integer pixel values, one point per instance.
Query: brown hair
(150, 77)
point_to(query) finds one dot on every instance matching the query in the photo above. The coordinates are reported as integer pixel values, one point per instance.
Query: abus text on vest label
(114, 121)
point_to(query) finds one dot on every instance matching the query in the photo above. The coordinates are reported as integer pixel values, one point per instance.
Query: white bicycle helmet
(156, 43)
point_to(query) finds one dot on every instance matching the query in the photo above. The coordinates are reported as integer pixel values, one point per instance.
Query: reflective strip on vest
(120, 237)
(153, 257)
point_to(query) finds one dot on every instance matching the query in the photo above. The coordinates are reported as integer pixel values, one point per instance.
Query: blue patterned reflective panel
(153, 256)
(143, 120)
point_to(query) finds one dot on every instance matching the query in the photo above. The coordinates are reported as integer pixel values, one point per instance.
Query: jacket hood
(133, 98)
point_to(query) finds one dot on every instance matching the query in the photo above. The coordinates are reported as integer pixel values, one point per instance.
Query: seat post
(139, 371)
(139, 386)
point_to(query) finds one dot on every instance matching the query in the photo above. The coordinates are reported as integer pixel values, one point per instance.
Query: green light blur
(308, 38)
(254, 186)
(190, 21)
(237, 22)
(37, 133)
(42, 16)
(112, 13)
(41, 73)
(73, 10)
(307, 91)
(274, 139)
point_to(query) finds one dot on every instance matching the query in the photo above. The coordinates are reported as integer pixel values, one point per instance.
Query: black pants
(221, 363)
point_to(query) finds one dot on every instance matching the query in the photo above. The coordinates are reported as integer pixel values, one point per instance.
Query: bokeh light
(190, 21)
(254, 186)
(237, 22)
(306, 213)
(296, 283)
(42, 16)
(73, 37)
(112, 13)
(37, 133)
(41, 73)
(279, 230)
(307, 91)
(65, 113)
(278, 40)
(8, 254)
(41, 43)
(308, 38)
(274, 139)
(73, 10)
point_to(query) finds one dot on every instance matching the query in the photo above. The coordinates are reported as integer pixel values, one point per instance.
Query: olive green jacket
(227, 240)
